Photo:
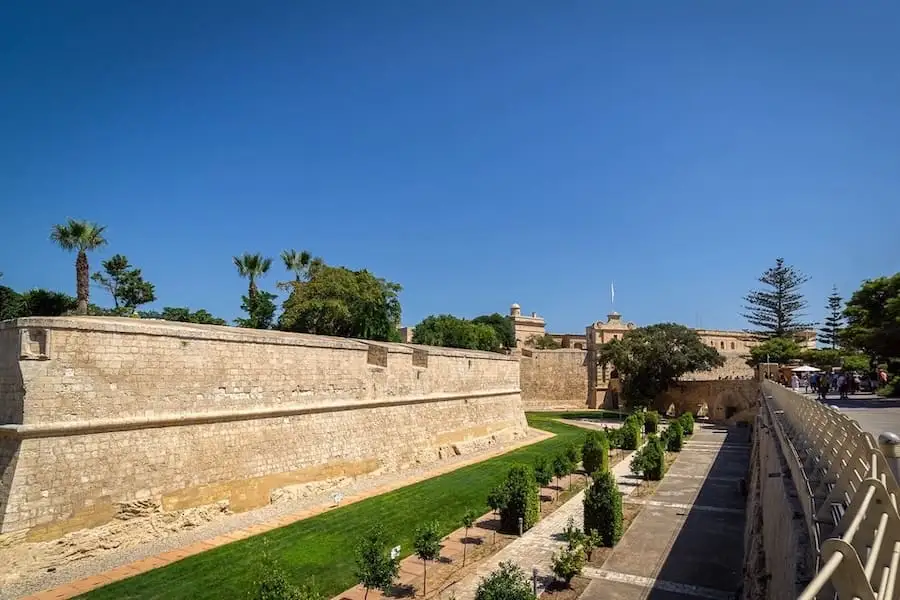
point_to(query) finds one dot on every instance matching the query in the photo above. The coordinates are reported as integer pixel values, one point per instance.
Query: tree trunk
(366, 595)
(82, 277)
(424, 578)
(465, 543)
(251, 292)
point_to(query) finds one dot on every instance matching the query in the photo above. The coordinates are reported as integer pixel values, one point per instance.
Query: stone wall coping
(63, 429)
(196, 331)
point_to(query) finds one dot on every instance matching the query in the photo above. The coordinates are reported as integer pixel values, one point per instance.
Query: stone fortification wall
(722, 401)
(553, 379)
(98, 413)
(779, 556)
(735, 367)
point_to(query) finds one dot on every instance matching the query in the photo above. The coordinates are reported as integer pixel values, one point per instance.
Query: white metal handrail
(849, 496)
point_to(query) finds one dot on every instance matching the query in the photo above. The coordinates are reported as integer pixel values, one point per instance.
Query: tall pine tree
(834, 320)
(777, 311)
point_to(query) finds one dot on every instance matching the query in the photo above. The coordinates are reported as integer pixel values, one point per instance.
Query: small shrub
(615, 437)
(573, 536)
(591, 542)
(687, 423)
(517, 497)
(631, 436)
(509, 582)
(568, 563)
(651, 421)
(649, 461)
(674, 437)
(595, 453)
(603, 509)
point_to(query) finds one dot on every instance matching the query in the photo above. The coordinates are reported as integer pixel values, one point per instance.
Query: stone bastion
(97, 413)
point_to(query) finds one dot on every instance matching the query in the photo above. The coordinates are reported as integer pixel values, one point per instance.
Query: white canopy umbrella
(805, 369)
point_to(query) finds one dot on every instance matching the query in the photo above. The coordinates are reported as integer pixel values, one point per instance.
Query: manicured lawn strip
(320, 550)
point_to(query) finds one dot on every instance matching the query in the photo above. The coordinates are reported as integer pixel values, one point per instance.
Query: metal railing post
(889, 444)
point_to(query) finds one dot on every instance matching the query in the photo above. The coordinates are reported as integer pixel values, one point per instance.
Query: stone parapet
(97, 413)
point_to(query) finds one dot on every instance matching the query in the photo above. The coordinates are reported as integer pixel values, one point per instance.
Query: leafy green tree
(873, 319)
(595, 452)
(340, 302)
(124, 283)
(568, 563)
(12, 305)
(855, 362)
(777, 310)
(375, 569)
(502, 326)
(543, 471)
(81, 237)
(830, 334)
(184, 315)
(561, 468)
(517, 497)
(260, 310)
(650, 359)
(452, 332)
(603, 509)
(776, 350)
(47, 303)
(509, 582)
(427, 545)
(545, 342)
(468, 520)
(822, 358)
(573, 455)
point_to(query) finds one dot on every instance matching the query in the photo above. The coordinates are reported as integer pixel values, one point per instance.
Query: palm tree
(80, 236)
(252, 266)
(302, 264)
(297, 262)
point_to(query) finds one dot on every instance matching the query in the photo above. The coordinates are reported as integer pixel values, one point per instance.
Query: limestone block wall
(735, 367)
(554, 379)
(779, 557)
(724, 401)
(99, 412)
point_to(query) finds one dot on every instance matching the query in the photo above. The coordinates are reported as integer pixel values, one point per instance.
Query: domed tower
(515, 310)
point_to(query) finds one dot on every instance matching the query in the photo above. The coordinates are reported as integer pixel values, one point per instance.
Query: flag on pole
(612, 292)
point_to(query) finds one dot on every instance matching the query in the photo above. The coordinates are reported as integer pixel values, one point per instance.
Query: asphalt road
(873, 413)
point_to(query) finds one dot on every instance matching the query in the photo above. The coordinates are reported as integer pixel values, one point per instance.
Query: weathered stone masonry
(95, 413)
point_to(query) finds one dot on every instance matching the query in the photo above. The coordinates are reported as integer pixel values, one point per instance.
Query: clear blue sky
(477, 152)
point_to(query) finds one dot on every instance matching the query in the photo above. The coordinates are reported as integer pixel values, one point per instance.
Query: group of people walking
(842, 383)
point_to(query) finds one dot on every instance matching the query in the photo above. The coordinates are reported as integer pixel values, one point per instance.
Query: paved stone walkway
(76, 588)
(687, 542)
(535, 548)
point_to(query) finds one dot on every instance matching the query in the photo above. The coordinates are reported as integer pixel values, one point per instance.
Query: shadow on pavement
(709, 549)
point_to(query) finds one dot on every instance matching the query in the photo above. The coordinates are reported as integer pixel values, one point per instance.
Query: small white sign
(395, 552)
(337, 498)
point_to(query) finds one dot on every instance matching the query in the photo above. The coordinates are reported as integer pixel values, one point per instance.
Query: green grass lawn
(320, 550)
